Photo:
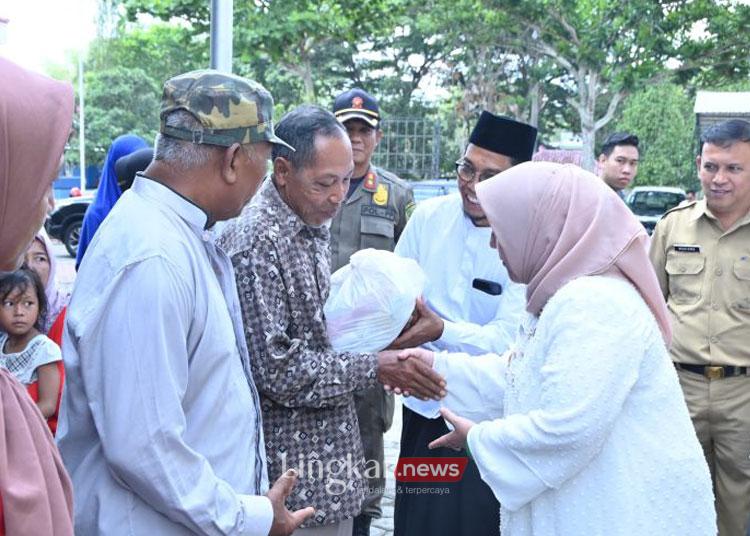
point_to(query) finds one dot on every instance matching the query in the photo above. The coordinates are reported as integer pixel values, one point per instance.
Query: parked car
(64, 223)
(649, 203)
(433, 188)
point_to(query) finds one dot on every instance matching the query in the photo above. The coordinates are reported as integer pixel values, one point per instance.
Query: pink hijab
(57, 300)
(36, 114)
(35, 119)
(35, 490)
(554, 223)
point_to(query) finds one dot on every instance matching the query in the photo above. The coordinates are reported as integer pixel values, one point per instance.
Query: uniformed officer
(701, 253)
(372, 216)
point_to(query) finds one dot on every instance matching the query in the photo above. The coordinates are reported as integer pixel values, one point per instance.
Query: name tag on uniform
(380, 212)
(687, 248)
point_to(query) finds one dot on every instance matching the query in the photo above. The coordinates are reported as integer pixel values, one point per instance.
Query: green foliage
(561, 64)
(123, 81)
(609, 48)
(161, 51)
(119, 100)
(662, 118)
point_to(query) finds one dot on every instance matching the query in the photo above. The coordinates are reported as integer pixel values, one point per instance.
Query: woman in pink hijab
(35, 119)
(40, 257)
(581, 428)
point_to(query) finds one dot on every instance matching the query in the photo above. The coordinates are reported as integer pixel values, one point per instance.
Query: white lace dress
(40, 350)
(591, 435)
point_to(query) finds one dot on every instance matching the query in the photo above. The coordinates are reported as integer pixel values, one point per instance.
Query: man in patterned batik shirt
(279, 248)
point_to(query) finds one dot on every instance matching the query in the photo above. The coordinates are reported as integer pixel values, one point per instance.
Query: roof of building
(722, 102)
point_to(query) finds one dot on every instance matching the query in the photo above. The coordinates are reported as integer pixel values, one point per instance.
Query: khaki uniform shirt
(372, 217)
(704, 273)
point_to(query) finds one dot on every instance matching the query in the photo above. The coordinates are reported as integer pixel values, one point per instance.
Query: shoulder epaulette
(391, 177)
(680, 207)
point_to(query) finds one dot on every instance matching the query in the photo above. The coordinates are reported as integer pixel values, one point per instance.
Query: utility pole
(81, 124)
(221, 35)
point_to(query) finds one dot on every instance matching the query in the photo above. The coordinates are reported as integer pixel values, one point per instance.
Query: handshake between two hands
(406, 369)
(410, 373)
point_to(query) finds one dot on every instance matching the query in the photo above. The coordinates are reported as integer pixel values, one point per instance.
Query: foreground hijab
(554, 223)
(57, 300)
(108, 191)
(35, 119)
(35, 491)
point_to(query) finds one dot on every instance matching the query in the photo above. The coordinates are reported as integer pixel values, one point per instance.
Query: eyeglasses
(467, 173)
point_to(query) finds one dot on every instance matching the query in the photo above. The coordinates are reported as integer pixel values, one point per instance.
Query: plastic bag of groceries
(371, 300)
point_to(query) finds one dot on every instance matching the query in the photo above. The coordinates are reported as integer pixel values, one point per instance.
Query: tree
(124, 75)
(508, 80)
(662, 118)
(556, 63)
(161, 51)
(608, 48)
(119, 101)
(312, 40)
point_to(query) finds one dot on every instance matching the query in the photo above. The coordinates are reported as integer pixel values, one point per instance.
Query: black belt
(713, 372)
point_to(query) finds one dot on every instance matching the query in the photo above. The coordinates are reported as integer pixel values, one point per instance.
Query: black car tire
(71, 236)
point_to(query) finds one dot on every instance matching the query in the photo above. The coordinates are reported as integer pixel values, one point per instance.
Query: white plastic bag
(371, 300)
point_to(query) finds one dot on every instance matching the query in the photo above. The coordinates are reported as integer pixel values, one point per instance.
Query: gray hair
(180, 153)
(299, 128)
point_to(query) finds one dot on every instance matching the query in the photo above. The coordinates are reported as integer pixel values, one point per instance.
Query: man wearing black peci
(470, 305)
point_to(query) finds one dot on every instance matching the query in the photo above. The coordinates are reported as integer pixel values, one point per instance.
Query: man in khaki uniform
(701, 253)
(372, 216)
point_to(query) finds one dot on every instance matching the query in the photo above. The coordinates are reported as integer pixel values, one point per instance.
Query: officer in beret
(373, 215)
(160, 424)
(470, 305)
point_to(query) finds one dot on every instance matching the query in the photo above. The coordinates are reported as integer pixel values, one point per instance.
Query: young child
(24, 351)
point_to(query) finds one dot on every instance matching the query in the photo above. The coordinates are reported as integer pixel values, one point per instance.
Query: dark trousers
(465, 508)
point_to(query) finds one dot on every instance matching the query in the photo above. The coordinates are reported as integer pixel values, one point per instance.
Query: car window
(654, 203)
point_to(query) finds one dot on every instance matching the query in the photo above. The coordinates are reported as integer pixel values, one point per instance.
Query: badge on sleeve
(381, 195)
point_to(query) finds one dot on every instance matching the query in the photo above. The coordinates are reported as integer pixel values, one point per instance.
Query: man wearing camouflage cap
(160, 420)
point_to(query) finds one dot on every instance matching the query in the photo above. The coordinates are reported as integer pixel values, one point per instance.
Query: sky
(41, 32)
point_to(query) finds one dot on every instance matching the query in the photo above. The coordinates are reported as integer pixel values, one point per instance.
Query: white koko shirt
(160, 422)
(453, 252)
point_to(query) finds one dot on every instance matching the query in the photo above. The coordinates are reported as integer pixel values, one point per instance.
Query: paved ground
(381, 527)
(66, 266)
(384, 525)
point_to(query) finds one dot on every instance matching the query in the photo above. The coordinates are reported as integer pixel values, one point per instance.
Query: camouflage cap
(231, 109)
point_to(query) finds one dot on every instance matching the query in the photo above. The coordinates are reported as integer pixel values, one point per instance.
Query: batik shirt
(282, 268)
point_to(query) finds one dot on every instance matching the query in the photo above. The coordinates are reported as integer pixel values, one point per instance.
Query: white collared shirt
(160, 421)
(453, 252)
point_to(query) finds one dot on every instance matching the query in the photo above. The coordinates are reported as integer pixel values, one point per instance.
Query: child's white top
(40, 351)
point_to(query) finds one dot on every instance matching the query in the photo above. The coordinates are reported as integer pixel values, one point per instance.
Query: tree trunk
(303, 69)
(307, 79)
(588, 91)
(535, 97)
(588, 160)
